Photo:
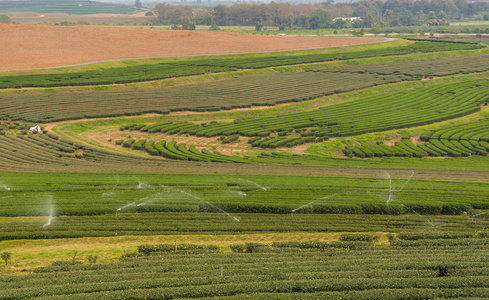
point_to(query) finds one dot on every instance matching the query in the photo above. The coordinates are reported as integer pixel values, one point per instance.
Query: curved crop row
(380, 112)
(265, 89)
(196, 66)
(444, 142)
(175, 151)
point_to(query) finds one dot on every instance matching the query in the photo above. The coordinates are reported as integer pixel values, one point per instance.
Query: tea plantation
(355, 173)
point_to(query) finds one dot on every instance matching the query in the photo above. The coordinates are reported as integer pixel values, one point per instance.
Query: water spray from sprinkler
(303, 206)
(212, 205)
(142, 202)
(408, 208)
(126, 206)
(224, 212)
(312, 202)
(4, 186)
(141, 185)
(190, 195)
(392, 191)
(253, 183)
(51, 214)
(112, 192)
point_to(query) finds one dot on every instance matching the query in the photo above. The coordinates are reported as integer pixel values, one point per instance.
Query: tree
(422, 17)
(188, 25)
(368, 22)
(220, 14)
(5, 19)
(359, 33)
(6, 256)
(290, 20)
(357, 23)
(375, 31)
(339, 23)
(303, 21)
(138, 4)
(388, 15)
(258, 26)
(320, 19)
(163, 12)
(441, 15)
(214, 27)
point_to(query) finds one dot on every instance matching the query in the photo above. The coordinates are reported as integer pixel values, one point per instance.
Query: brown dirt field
(37, 46)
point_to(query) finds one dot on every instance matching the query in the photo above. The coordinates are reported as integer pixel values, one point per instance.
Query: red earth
(38, 46)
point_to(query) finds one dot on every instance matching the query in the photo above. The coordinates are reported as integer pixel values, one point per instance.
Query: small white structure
(350, 19)
(36, 128)
(282, 34)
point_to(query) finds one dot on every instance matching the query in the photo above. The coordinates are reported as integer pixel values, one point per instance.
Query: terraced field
(376, 113)
(268, 224)
(112, 194)
(266, 89)
(464, 139)
(195, 66)
(313, 270)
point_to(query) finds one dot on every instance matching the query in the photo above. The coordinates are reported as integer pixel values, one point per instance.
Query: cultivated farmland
(265, 89)
(30, 46)
(130, 207)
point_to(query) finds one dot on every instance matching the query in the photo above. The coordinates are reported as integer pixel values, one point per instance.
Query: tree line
(366, 13)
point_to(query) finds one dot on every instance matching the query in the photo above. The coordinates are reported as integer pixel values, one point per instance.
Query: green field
(196, 66)
(352, 173)
(338, 270)
(110, 194)
(70, 7)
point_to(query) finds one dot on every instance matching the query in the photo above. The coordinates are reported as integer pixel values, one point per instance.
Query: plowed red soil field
(37, 46)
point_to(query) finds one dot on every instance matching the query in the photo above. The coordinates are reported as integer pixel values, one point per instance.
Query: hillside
(355, 172)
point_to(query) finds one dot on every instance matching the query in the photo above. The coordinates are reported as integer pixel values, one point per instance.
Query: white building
(350, 19)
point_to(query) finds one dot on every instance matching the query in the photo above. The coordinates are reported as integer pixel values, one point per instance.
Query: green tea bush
(230, 139)
(138, 145)
(128, 143)
(362, 237)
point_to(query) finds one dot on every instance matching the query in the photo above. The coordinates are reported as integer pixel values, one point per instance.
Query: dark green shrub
(138, 145)
(359, 237)
(238, 248)
(252, 247)
(230, 139)
(128, 143)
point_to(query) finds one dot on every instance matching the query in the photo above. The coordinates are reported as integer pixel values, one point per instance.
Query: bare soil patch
(36, 46)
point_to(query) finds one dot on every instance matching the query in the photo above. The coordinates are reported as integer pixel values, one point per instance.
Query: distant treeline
(367, 13)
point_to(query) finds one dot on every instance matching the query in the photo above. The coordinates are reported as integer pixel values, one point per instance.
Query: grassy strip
(30, 254)
(351, 270)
